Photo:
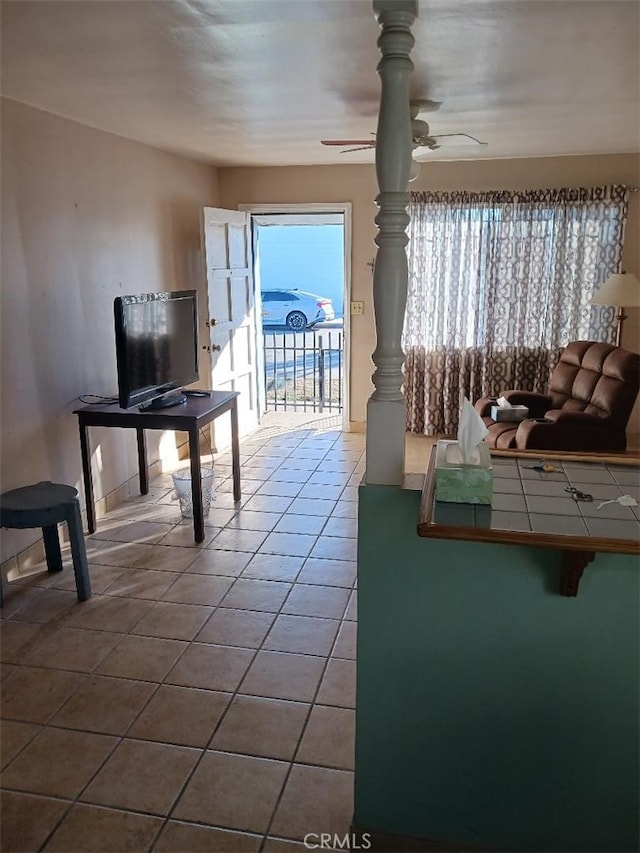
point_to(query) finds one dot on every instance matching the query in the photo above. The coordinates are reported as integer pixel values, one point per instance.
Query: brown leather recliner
(592, 390)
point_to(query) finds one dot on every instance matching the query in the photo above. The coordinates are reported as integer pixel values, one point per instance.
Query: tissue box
(509, 413)
(459, 483)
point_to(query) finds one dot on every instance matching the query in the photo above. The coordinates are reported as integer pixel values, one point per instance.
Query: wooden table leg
(86, 476)
(235, 451)
(143, 469)
(196, 485)
(573, 565)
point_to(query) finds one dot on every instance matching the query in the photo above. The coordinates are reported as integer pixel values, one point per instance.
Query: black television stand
(198, 412)
(173, 398)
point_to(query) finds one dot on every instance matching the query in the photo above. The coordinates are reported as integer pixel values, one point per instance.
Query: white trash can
(182, 485)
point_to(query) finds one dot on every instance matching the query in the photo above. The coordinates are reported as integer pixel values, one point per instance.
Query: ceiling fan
(421, 136)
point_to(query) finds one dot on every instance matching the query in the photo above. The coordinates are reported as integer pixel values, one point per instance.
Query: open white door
(231, 315)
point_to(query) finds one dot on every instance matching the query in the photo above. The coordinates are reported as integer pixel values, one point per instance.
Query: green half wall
(490, 709)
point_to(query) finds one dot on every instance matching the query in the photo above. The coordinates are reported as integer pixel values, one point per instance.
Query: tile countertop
(532, 507)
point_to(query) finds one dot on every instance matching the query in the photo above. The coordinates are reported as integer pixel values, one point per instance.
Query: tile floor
(203, 698)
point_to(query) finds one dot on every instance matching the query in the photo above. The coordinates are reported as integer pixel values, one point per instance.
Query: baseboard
(31, 558)
(626, 457)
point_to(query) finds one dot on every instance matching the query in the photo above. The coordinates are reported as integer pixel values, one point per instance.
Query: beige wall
(357, 184)
(86, 216)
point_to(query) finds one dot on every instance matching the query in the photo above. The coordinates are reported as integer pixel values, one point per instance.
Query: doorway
(301, 258)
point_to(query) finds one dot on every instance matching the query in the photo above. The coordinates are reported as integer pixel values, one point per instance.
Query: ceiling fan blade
(468, 136)
(424, 105)
(367, 143)
(360, 148)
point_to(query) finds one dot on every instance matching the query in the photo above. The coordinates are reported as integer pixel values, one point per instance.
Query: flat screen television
(156, 347)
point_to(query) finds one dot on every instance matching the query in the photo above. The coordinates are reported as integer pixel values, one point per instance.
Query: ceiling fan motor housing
(419, 128)
(420, 135)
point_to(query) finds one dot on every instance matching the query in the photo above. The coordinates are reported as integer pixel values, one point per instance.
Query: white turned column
(386, 409)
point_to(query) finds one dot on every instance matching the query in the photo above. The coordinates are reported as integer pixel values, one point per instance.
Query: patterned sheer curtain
(499, 283)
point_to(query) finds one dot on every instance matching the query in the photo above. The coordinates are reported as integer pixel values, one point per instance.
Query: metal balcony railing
(303, 371)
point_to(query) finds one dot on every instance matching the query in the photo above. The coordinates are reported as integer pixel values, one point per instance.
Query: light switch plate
(357, 308)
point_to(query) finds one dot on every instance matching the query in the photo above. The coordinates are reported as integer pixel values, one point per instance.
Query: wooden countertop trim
(433, 530)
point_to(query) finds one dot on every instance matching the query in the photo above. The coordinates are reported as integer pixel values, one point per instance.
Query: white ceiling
(260, 82)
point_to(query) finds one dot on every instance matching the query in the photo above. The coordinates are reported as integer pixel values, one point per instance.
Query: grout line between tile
(314, 466)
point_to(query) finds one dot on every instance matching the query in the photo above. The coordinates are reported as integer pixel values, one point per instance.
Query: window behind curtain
(499, 283)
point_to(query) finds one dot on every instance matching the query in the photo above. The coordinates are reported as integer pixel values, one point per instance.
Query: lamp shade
(621, 289)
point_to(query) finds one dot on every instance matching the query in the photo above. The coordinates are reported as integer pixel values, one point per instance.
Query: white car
(296, 309)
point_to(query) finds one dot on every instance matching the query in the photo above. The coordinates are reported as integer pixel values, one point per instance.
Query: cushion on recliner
(598, 379)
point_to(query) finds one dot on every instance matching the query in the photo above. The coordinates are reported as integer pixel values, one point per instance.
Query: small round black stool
(45, 505)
